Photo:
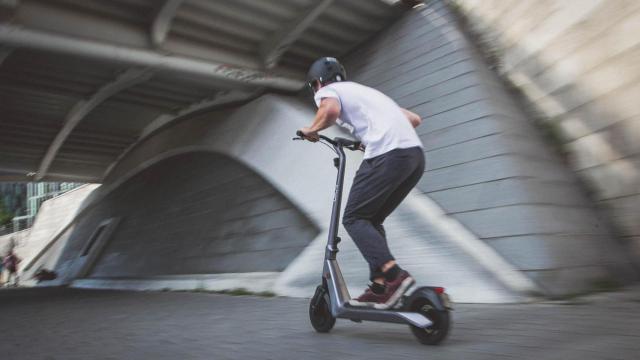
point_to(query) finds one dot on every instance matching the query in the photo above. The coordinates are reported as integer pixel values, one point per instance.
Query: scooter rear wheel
(319, 312)
(435, 333)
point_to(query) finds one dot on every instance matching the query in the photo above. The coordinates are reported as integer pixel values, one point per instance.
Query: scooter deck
(389, 315)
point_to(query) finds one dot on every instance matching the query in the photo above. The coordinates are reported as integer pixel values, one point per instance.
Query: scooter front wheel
(319, 311)
(438, 331)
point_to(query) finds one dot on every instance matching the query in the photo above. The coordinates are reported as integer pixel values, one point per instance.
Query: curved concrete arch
(190, 212)
(262, 143)
(169, 143)
(259, 135)
(206, 212)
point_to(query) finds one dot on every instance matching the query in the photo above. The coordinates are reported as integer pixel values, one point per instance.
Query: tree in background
(5, 215)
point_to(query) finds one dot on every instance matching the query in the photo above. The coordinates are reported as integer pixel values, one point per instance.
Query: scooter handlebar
(342, 142)
(301, 136)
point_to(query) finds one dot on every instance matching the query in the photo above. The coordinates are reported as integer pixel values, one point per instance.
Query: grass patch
(596, 286)
(571, 298)
(606, 285)
(233, 292)
(245, 292)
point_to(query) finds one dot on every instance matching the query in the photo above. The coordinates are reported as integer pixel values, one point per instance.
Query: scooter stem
(333, 240)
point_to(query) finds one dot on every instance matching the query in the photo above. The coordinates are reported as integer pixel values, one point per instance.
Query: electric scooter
(425, 310)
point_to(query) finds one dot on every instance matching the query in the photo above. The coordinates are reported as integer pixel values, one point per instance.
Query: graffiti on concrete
(240, 74)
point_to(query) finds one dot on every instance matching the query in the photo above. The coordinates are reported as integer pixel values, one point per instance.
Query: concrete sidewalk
(83, 324)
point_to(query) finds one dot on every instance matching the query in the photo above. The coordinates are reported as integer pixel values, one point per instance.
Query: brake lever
(356, 147)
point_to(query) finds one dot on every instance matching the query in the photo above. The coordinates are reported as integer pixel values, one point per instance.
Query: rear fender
(428, 292)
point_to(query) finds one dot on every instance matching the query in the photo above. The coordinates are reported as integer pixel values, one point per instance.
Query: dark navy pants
(380, 185)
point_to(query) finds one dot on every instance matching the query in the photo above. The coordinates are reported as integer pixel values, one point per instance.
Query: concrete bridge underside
(225, 197)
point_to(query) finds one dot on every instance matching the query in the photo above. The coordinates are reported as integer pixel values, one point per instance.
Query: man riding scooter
(392, 165)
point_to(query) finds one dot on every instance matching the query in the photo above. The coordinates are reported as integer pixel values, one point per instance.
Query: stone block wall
(487, 164)
(577, 62)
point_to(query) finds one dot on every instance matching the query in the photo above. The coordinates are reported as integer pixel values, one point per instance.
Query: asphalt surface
(84, 324)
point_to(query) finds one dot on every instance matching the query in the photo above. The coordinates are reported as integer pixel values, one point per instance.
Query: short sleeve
(325, 92)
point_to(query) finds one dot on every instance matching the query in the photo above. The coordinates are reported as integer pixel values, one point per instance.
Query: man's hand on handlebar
(309, 134)
(336, 142)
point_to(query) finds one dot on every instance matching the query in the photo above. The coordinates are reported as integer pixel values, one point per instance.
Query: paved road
(83, 324)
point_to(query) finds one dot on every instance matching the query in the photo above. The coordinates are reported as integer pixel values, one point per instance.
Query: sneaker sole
(395, 297)
(357, 303)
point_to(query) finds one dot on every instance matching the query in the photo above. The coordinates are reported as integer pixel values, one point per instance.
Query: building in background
(24, 199)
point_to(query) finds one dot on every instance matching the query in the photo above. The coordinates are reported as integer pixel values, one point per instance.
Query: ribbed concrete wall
(578, 63)
(486, 164)
(193, 213)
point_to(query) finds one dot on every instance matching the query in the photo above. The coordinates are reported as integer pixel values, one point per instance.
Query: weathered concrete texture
(577, 62)
(194, 213)
(73, 324)
(487, 166)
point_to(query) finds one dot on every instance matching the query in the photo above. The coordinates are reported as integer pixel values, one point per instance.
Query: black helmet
(325, 70)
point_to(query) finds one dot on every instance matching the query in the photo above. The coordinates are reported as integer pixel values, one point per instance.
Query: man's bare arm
(413, 118)
(327, 114)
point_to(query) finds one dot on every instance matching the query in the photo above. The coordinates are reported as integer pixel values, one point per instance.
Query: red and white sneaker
(369, 299)
(395, 289)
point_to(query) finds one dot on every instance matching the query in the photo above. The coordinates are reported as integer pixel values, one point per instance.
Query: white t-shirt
(371, 116)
